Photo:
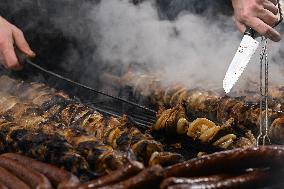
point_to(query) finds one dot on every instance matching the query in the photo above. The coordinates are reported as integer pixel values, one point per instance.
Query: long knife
(241, 59)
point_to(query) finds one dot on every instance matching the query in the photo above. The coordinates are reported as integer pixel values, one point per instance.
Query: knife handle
(251, 32)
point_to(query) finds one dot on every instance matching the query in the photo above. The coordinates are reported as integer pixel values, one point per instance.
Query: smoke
(193, 50)
(85, 37)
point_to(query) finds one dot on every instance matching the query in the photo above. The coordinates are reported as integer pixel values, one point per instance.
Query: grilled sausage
(58, 177)
(11, 181)
(121, 174)
(2, 186)
(227, 161)
(148, 178)
(252, 179)
(179, 181)
(28, 175)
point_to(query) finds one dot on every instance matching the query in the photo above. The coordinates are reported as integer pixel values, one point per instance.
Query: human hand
(11, 37)
(260, 15)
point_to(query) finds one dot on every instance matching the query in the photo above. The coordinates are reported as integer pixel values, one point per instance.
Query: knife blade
(241, 59)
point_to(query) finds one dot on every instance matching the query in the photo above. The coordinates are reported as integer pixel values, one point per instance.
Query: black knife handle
(251, 32)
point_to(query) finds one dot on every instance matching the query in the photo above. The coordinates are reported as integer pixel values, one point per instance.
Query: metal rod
(261, 97)
(87, 87)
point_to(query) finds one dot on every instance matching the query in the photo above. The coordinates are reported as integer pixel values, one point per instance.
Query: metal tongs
(263, 137)
(147, 119)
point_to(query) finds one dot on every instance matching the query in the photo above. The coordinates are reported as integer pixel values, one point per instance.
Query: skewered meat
(101, 157)
(276, 131)
(58, 177)
(174, 120)
(57, 106)
(50, 148)
(226, 161)
(122, 174)
(200, 103)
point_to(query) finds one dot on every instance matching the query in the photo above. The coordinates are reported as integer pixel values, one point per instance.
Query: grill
(132, 131)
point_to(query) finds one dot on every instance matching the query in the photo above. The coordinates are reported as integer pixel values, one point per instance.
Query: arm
(261, 15)
(11, 36)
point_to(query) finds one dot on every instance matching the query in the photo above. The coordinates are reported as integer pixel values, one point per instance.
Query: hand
(11, 36)
(261, 15)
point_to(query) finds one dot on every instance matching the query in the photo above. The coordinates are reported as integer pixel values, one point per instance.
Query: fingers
(268, 17)
(240, 26)
(263, 29)
(21, 42)
(273, 1)
(11, 37)
(10, 60)
(7, 53)
(271, 7)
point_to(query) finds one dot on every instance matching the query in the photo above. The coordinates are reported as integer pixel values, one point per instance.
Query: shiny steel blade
(241, 59)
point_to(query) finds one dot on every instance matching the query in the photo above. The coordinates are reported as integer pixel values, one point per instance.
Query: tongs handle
(22, 57)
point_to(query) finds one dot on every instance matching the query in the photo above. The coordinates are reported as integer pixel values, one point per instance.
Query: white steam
(192, 49)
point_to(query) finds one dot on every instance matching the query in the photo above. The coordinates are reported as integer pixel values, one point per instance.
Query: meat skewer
(200, 103)
(117, 133)
(28, 116)
(174, 120)
(45, 147)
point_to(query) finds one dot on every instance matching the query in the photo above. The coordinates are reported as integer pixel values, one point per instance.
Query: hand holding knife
(247, 48)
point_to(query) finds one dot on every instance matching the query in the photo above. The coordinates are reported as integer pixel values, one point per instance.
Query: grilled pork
(57, 106)
(210, 105)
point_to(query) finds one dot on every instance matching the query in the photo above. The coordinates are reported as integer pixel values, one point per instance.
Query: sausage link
(253, 179)
(148, 178)
(179, 181)
(2, 186)
(28, 175)
(119, 175)
(228, 161)
(11, 181)
(58, 177)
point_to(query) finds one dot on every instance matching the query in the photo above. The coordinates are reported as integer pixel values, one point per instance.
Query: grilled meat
(59, 177)
(200, 103)
(174, 120)
(45, 147)
(101, 157)
(58, 107)
(19, 172)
